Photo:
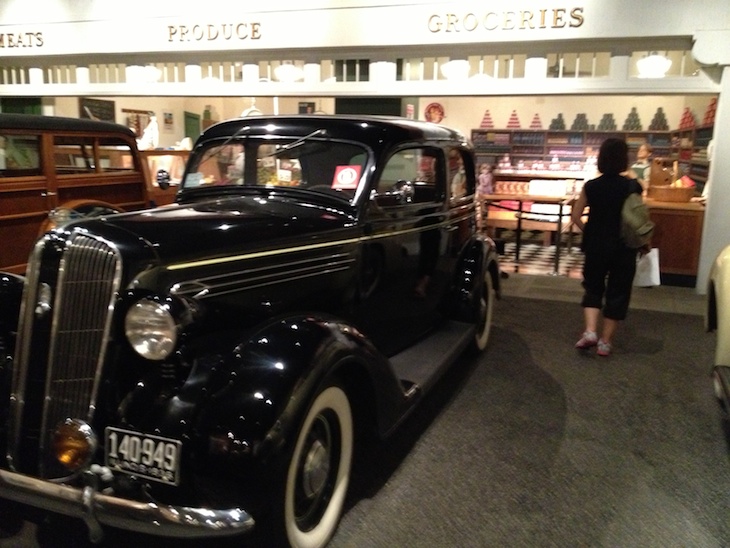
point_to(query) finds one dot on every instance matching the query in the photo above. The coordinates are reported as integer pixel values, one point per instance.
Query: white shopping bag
(647, 269)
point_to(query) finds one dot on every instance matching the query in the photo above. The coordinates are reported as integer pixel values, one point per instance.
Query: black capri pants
(609, 275)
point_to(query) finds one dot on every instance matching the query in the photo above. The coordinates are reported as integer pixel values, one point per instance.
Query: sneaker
(588, 340)
(604, 348)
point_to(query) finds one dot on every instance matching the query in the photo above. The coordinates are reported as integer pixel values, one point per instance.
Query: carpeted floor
(534, 444)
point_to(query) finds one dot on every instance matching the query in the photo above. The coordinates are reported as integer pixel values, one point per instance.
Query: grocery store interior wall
(462, 113)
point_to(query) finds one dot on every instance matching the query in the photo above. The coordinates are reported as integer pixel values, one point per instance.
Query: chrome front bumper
(98, 509)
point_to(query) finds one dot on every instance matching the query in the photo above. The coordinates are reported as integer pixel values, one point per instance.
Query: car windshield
(318, 165)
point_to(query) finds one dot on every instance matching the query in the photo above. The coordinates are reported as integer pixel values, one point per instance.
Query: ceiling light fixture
(653, 65)
(288, 73)
(456, 69)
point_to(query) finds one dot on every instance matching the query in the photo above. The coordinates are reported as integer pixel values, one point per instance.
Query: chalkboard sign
(96, 109)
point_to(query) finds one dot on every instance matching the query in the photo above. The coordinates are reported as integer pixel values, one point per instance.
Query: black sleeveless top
(605, 195)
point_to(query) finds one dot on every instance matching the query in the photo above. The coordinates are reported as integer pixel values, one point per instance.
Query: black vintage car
(208, 367)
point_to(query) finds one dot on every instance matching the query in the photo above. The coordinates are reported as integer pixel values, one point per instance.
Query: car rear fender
(477, 258)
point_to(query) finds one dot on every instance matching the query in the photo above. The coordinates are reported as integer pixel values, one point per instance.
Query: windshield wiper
(214, 150)
(296, 143)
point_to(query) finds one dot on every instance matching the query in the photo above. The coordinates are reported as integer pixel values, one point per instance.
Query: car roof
(375, 131)
(60, 123)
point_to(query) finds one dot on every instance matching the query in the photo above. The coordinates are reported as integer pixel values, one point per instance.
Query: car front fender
(278, 368)
(11, 293)
(244, 399)
(717, 315)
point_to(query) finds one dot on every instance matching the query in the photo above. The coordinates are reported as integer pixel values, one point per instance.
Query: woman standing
(609, 266)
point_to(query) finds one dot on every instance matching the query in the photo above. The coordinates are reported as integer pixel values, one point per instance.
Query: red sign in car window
(346, 177)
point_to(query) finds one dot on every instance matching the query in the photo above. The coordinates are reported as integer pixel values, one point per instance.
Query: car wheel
(717, 386)
(484, 313)
(319, 470)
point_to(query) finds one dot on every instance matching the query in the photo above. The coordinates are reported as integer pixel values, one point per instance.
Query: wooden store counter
(678, 235)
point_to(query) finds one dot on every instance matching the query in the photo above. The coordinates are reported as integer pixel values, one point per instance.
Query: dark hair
(613, 156)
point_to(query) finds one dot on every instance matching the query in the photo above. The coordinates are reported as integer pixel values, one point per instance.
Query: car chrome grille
(72, 348)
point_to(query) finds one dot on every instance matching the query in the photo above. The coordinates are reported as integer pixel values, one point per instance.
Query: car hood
(221, 226)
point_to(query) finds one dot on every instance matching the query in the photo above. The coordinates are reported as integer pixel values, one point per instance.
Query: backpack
(636, 225)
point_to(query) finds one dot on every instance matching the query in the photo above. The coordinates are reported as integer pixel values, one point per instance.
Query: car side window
(115, 155)
(75, 154)
(19, 156)
(461, 174)
(411, 175)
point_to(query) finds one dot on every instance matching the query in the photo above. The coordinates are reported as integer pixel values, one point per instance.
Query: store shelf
(569, 148)
(568, 145)
(689, 148)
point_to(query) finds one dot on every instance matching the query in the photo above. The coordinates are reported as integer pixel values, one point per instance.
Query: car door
(404, 256)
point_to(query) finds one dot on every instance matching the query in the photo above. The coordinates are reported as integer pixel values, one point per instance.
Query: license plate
(143, 455)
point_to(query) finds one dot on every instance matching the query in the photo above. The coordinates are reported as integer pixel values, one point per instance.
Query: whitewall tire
(484, 313)
(319, 470)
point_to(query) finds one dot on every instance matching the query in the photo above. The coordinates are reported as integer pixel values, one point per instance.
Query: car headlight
(151, 329)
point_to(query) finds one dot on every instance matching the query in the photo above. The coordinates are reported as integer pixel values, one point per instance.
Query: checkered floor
(537, 258)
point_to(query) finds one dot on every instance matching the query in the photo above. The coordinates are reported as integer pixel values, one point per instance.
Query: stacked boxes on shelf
(709, 117)
(659, 122)
(633, 122)
(688, 119)
(607, 123)
(558, 123)
(580, 123)
(487, 120)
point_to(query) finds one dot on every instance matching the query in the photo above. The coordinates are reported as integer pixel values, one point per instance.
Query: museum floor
(665, 298)
(535, 444)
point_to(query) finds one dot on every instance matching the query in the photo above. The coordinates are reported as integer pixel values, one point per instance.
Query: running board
(424, 363)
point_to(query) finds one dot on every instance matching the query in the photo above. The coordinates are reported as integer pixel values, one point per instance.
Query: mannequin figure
(642, 167)
(151, 135)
